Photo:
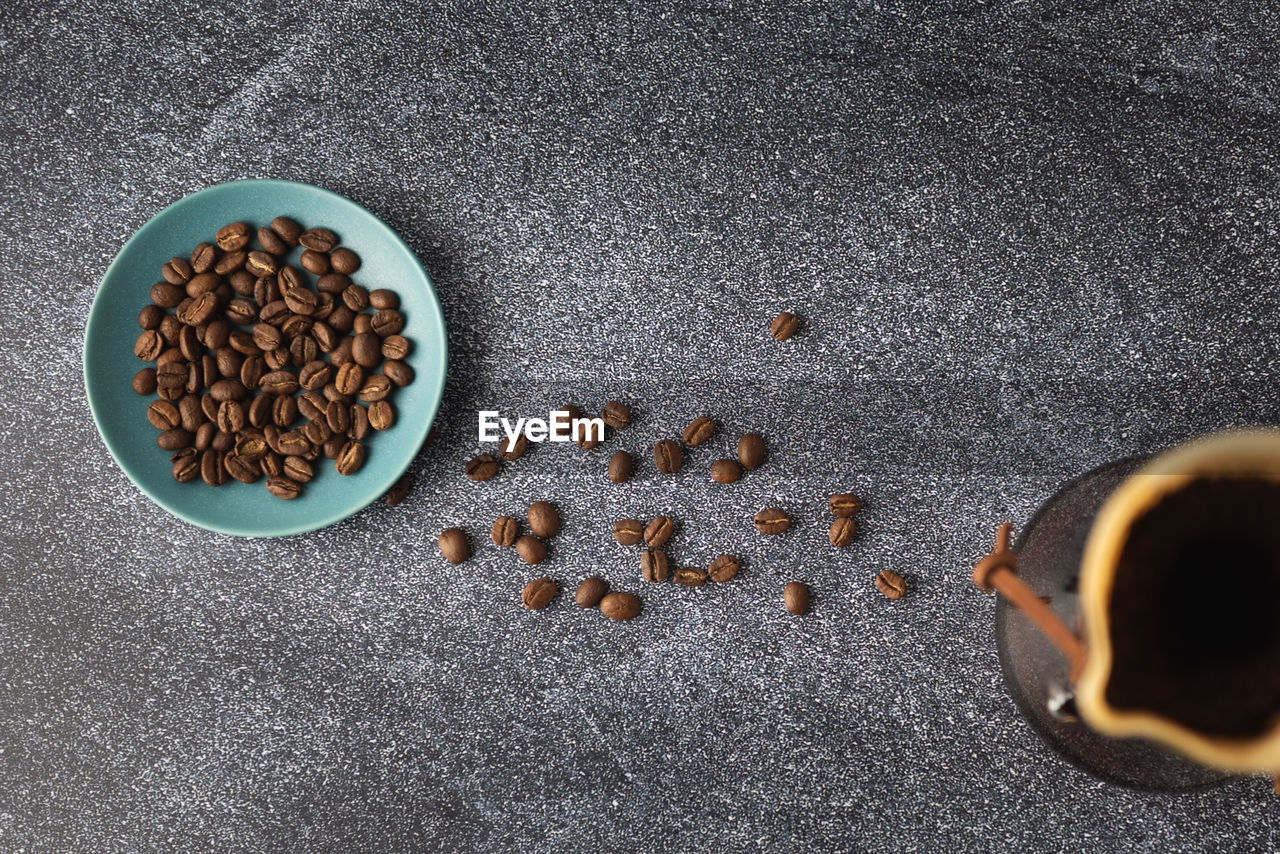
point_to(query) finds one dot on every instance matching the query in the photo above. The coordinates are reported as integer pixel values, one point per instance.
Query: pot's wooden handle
(998, 571)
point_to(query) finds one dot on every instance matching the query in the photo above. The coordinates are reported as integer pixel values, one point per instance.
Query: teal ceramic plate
(109, 363)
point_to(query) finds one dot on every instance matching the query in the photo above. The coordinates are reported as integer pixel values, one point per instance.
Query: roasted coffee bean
(301, 301)
(381, 415)
(398, 372)
(349, 459)
(690, 576)
(242, 343)
(204, 435)
(186, 469)
(891, 584)
(260, 264)
(481, 467)
(208, 371)
(168, 356)
(148, 346)
(317, 432)
(366, 350)
(509, 450)
(232, 237)
(375, 387)
(287, 230)
(272, 242)
(239, 468)
(841, 532)
(383, 298)
(334, 446)
(784, 326)
(203, 257)
(277, 359)
(772, 521)
(243, 283)
(231, 262)
(163, 415)
(282, 487)
(265, 290)
(751, 451)
(349, 379)
(386, 322)
(151, 315)
(333, 283)
(654, 566)
(796, 597)
(844, 505)
(337, 416)
(726, 471)
(275, 313)
(242, 311)
(398, 491)
(296, 325)
(293, 443)
(620, 606)
(341, 354)
(326, 338)
(590, 592)
(222, 441)
(303, 349)
(272, 434)
(279, 382)
(185, 454)
(284, 411)
(259, 413)
(172, 374)
(228, 390)
(359, 428)
(620, 467)
(628, 532)
(229, 362)
(177, 271)
(172, 440)
(324, 307)
(344, 260)
(314, 262)
(723, 568)
(199, 310)
(658, 531)
(395, 347)
(617, 415)
(531, 549)
(453, 545)
(355, 298)
(231, 418)
(361, 323)
(217, 334)
(195, 378)
(699, 430)
(311, 405)
(272, 464)
(544, 521)
(537, 594)
(209, 407)
(169, 328)
(167, 295)
(267, 337)
(298, 470)
(318, 239)
(667, 457)
(504, 531)
(251, 448)
(315, 375)
(144, 381)
(205, 283)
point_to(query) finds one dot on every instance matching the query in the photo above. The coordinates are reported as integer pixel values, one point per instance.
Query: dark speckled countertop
(1026, 238)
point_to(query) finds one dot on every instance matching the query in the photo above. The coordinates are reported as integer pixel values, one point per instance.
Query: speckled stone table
(1025, 238)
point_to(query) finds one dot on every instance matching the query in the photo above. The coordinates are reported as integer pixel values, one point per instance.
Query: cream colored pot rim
(1254, 452)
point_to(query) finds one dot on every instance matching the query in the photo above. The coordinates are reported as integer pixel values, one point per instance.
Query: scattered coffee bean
(383, 298)
(784, 326)
(381, 415)
(350, 458)
(203, 257)
(513, 450)
(144, 381)
(628, 532)
(344, 261)
(620, 606)
(505, 529)
(282, 487)
(172, 440)
(288, 230)
(796, 597)
(844, 505)
(398, 491)
(544, 521)
(298, 470)
(723, 568)
(480, 467)
(318, 239)
(658, 531)
(751, 451)
(537, 594)
(699, 430)
(667, 457)
(186, 468)
(453, 545)
(590, 592)
(726, 471)
(841, 532)
(772, 521)
(891, 584)
(690, 576)
(619, 465)
(272, 242)
(211, 470)
(233, 237)
(531, 549)
(616, 415)
(654, 566)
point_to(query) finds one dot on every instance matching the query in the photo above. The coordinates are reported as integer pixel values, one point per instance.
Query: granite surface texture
(1025, 239)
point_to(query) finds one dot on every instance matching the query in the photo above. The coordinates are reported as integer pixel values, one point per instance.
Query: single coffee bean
(259, 413)
(272, 242)
(349, 379)
(243, 283)
(723, 568)
(350, 458)
(395, 347)
(317, 432)
(398, 372)
(203, 257)
(544, 521)
(504, 531)
(796, 597)
(172, 440)
(217, 334)
(209, 407)
(205, 434)
(204, 283)
(360, 427)
(191, 413)
(841, 532)
(279, 383)
(222, 441)
(315, 375)
(537, 594)
(169, 328)
(144, 381)
(383, 298)
(361, 323)
(654, 566)
(301, 301)
(628, 532)
(212, 471)
(531, 549)
(297, 326)
(186, 469)
(366, 349)
(334, 446)
(590, 592)
(272, 434)
(231, 262)
(699, 430)
(314, 262)
(200, 309)
(166, 295)
(311, 405)
(338, 416)
(386, 322)
(844, 505)
(170, 356)
(240, 469)
(772, 521)
(231, 417)
(288, 230)
(344, 260)
(282, 487)
(398, 491)
(666, 456)
(185, 454)
(481, 467)
(232, 237)
(620, 467)
(726, 471)
(318, 239)
(658, 531)
(303, 349)
(326, 338)
(784, 326)
(355, 298)
(250, 449)
(284, 411)
(242, 343)
(208, 370)
(163, 415)
(616, 415)
(242, 311)
(381, 415)
(620, 606)
(509, 450)
(293, 443)
(260, 263)
(891, 584)
(272, 464)
(267, 337)
(690, 576)
(298, 470)
(151, 315)
(177, 271)
(333, 283)
(148, 346)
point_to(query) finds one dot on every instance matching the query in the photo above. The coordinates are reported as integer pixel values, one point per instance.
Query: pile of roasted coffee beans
(245, 350)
